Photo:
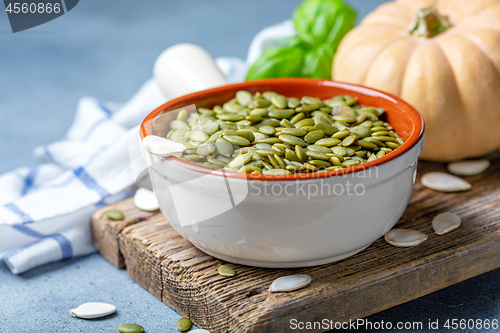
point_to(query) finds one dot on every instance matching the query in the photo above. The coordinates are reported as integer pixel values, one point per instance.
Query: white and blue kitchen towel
(45, 210)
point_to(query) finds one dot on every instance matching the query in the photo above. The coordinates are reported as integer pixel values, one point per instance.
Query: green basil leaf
(323, 21)
(278, 62)
(318, 62)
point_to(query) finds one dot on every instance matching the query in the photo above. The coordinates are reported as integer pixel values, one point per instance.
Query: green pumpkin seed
(380, 133)
(291, 156)
(313, 136)
(335, 161)
(348, 140)
(392, 145)
(237, 140)
(224, 147)
(183, 324)
(240, 160)
(286, 123)
(301, 153)
(311, 101)
(210, 128)
(310, 167)
(230, 117)
(259, 112)
(279, 101)
(293, 140)
(320, 149)
(293, 102)
(246, 134)
(360, 131)
(350, 163)
(205, 149)
(308, 128)
(265, 152)
(280, 114)
(178, 124)
(327, 128)
(269, 130)
(341, 134)
(306, 108)
(304, 122)
(250, 169)
(380, 154)
(268, 140)
(261, 102)
(263, 146)
(277, 172)
(198, 136)
(244, 97)
(269, 94)
(317, 155)
(338, 150)
(130, 328)
(327, 142)
(344, 118)
(182, 115)
(385, 138)
(294, 168)
(114, 215)
(294, 131)
(375, 141)
(297, 117)
(365, 144)
(319, 163)
(280, 161)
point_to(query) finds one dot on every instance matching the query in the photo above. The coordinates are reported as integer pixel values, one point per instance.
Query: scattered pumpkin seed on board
(226, 271)
(183, 324)
(114, 215)
(272, 130)
(130, 328)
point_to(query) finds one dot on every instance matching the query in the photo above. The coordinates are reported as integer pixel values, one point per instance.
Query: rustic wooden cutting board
(380, 277)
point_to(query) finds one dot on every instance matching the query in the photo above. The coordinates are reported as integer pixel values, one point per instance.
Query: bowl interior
(407, 122)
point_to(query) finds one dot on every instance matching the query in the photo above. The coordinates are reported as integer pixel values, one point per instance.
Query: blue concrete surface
(106, 49)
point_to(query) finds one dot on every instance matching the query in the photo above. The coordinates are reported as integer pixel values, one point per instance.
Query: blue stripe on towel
(90, 183)
(51, 157)
(28, 181)
(104, 108)
(24, 217)
(64, 243)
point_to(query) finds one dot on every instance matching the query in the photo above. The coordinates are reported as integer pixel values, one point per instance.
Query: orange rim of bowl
(416, 134)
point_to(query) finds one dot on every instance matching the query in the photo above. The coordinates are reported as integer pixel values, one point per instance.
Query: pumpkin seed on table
(183, 324)
(404, 237)
(276, 131)
(145, 200)
(290, 283)
(93, 310)
(226, 271)
(130, 328)
(114, 215)
(468, 168)
(444, 182)
(445, 222)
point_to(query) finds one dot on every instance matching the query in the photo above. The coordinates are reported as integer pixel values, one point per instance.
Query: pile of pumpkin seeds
(268, 133)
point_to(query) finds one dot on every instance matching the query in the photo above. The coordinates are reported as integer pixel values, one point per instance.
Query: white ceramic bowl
(288, 221)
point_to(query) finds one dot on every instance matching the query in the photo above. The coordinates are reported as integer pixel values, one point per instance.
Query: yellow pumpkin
(441, 56)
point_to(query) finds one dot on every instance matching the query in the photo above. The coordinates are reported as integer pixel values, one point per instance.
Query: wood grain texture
(380, 277)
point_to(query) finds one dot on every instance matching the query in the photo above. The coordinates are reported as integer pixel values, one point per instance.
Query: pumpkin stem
(429, 23)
